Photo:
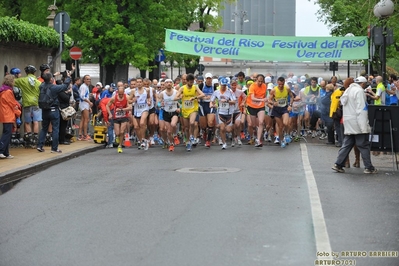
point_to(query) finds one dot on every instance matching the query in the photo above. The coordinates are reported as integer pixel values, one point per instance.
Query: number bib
(140, 107)
(188, 104)
(224, 106)
(170, 106)
(282, 102)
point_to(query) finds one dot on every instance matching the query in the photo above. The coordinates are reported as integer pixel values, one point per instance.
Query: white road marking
(319, 224)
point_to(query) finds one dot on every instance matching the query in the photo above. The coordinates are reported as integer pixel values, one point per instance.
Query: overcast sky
(306, 20)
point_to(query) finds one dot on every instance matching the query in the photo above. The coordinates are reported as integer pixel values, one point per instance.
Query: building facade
(260, 17)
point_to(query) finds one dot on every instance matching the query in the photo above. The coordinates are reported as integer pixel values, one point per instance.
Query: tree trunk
(191, 69)
(154, 73)
(114, 73)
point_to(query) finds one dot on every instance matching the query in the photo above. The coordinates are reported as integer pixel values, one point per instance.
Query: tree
(354, 16)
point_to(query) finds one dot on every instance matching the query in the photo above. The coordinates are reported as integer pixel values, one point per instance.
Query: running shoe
(165, 145)
(152, 142)
(171, 148)
(80, 137)
(277, 140)
(287, 139)
(239, 142)
(283, 144)
(233, 142)
(220, 141)
(40, 149)
(57, 151)
(313, 134)
(258, 143)
(269, 138)
(251, 142)
(323, 136)
(192, 140)
(176, 140)
(119, 149)
(338, 168)
(224, 146)
(117, 140)
(146, 145)
(265, 136)
(188, 146)
(142, 144)
(242, 135)
(208, 144)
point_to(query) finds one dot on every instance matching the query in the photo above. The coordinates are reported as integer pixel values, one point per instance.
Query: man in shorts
(189, 94)
(120, 115)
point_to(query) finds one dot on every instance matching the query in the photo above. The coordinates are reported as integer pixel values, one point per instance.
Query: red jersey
(119, 104)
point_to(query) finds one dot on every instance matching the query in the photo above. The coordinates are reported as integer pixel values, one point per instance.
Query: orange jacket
(9, 107)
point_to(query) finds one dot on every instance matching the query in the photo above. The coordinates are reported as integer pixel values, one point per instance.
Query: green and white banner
(269, 48)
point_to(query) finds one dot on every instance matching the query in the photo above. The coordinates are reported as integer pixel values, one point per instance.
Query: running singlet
(258, 92)
(169, 104)
(239, 94)
(208, 91)
(152, 98)
(118, 104)
(141, 103)
(224, 107)
(189, 106)
(281, 97)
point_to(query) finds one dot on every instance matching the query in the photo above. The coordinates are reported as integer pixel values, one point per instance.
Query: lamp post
(349, 62)
(383, 10)
(242, 15)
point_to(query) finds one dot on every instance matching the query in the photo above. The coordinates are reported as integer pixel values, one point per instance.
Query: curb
(26, 171)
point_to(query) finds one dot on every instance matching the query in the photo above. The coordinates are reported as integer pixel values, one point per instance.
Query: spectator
(84, 105)
(356, 126)
(53, 113)
(64, 97)
(9, 111)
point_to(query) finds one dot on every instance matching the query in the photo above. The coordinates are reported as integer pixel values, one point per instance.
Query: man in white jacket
(356, 126)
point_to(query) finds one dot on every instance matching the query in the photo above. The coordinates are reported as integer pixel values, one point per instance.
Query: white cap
(107, 87)
(208, 75)
(302, 78)
(99, 83)
(215, 81)
(360, 79)
(270, 86)
(268, 79)
(295, 79)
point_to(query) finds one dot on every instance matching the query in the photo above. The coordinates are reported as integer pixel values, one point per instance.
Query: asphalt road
(268, 206)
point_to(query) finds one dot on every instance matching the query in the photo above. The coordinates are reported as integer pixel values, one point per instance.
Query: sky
(306, 20)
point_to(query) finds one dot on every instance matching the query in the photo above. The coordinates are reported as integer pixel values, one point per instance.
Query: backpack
(45, 99)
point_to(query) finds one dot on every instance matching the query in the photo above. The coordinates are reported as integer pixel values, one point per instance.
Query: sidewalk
(29, 161)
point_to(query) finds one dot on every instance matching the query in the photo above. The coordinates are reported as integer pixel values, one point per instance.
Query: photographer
(50, 109)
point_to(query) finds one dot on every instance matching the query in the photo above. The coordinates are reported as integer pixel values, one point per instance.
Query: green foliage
(12, 29)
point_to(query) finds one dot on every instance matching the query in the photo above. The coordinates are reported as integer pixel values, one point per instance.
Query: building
(260, 17)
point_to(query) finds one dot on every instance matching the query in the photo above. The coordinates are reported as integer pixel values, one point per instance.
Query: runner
(170, 111)
(256, 107)
(189, 94)
(207, 114)
(120, 115)
(237, 113)
(227, 102)
(142, 101)
(279, 99)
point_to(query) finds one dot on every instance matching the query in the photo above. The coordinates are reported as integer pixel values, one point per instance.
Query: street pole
(384, 52)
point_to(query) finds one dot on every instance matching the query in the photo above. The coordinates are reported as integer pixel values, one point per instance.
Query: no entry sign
(75, 53)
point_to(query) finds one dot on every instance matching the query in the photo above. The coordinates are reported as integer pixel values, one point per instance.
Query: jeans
(111, 132)
(53, 116)
(330, 131)
(6, 139)
(363, 144)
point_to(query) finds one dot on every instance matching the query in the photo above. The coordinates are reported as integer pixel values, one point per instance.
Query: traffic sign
(200, 68)
(63, 20)
(75, 53)
(160, 56)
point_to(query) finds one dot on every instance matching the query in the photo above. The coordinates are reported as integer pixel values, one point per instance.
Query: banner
(268, 48)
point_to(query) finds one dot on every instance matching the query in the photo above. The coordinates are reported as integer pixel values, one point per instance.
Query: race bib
(170, 106)
(282, 102)
(141, 107)
(224, 106)
(188, 104)
(120, 114)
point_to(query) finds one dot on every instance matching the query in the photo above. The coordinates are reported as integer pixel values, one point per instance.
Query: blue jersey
(208, 91)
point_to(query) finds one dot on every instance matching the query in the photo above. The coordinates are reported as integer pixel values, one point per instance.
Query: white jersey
(140, 105)
(238, 94)
(169, 104)
(224, 107)
(152, 98)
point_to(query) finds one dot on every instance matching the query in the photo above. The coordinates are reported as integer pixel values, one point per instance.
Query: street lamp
(383, 10)
(242, 15)
(349, 62)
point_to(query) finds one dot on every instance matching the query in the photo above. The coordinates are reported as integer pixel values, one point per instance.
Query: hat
(360, 79)
(99, 83)
(295, 79)
(208, 75)
(215, 81)
(270, 86)
(112, 85)
(302, 78)
(224, 81)
(268, 79)
(289, 81)
(200, 78)
(107, 87)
